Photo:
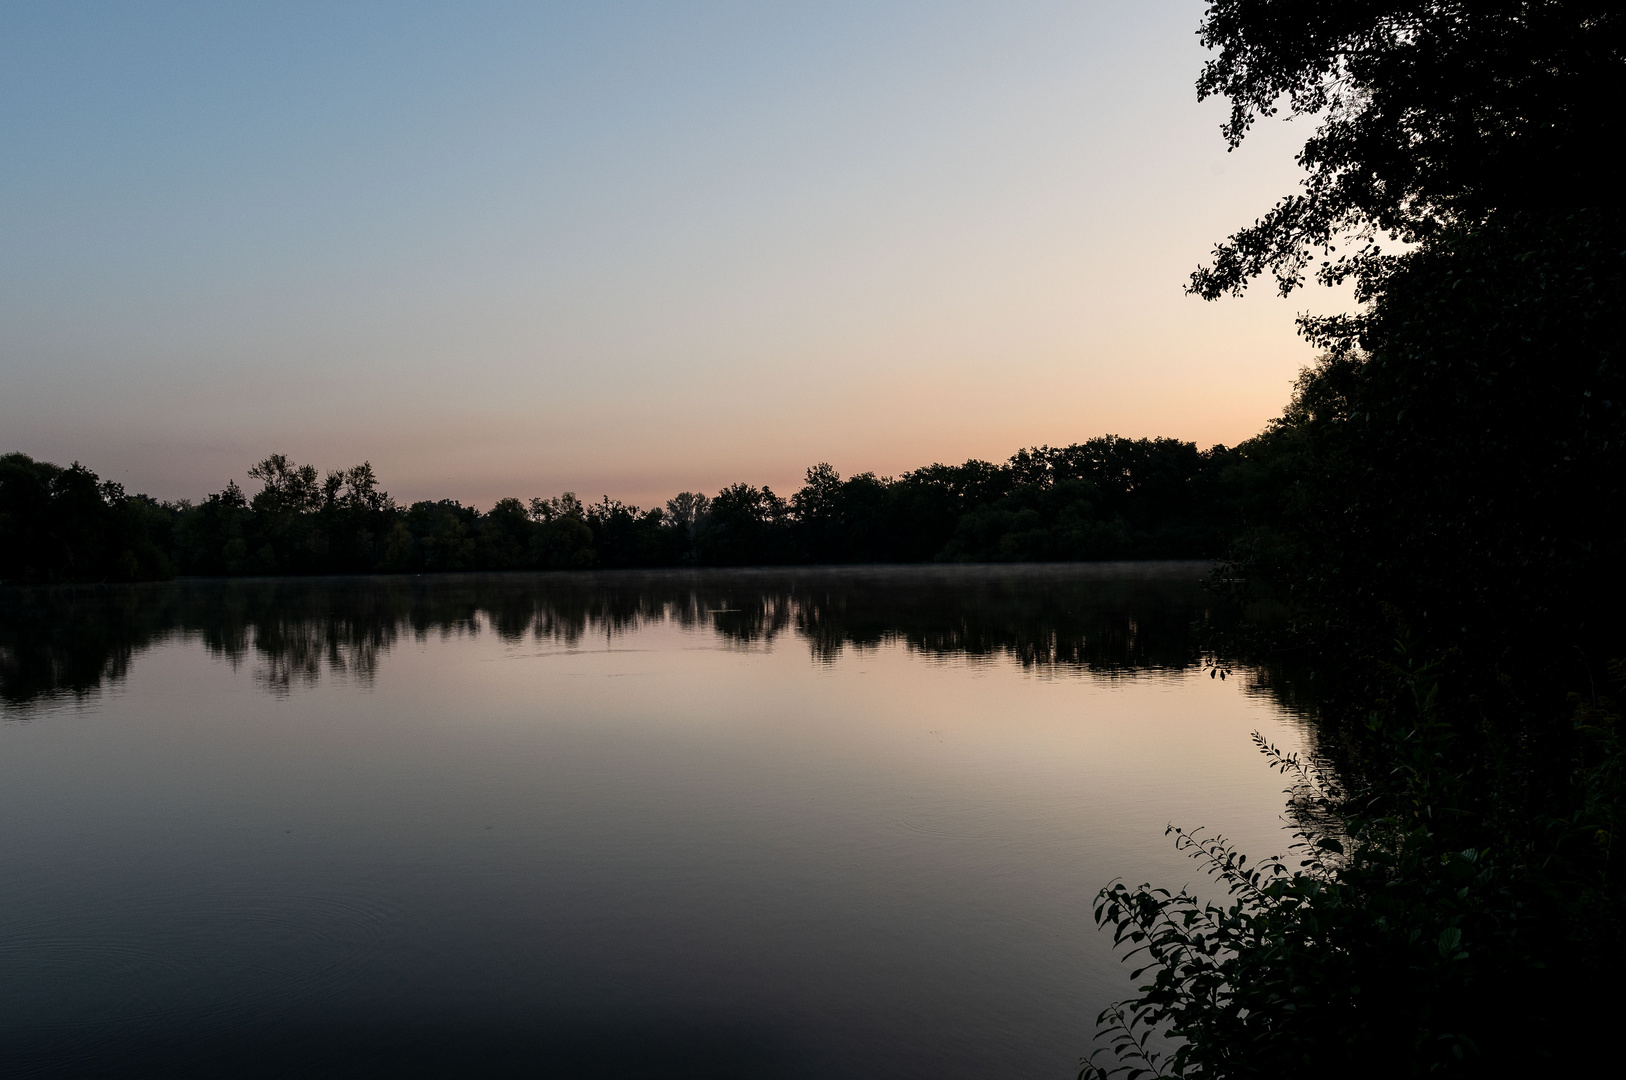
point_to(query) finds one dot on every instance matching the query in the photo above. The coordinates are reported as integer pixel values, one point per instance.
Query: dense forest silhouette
(1107, 498)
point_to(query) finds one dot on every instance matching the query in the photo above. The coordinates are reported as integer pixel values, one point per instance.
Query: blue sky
(617, 248)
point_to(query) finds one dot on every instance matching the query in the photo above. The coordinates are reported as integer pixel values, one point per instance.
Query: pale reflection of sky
(880, 862)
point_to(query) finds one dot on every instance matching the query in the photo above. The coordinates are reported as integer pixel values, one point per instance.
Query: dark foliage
(1472, 426)
(1434, 114)
(61, 524)
(1449, 476)
(1430, 923)
(1109, 498)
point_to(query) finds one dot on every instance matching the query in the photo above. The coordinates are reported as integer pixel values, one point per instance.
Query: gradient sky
(622, 248)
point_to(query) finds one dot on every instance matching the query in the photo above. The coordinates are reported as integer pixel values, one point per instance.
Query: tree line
(1106, 498)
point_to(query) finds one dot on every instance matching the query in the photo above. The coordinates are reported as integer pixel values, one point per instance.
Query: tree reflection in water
(1106, 619)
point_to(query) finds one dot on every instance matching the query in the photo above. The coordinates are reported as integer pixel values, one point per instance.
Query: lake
(764, 823)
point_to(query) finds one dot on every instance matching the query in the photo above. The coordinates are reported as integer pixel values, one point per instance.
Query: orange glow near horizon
(520, 252)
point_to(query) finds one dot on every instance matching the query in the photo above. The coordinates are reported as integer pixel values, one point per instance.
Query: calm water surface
(812, 823)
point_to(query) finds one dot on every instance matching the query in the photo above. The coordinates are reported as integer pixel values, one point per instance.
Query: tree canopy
(1430, 536)
(1430, 114)
(1105, 498)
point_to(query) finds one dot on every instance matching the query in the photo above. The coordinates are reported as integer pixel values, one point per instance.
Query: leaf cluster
(1416, 930)
(1430, 114)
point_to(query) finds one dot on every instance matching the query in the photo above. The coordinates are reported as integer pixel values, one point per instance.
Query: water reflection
(802, 823)
(1106, 620)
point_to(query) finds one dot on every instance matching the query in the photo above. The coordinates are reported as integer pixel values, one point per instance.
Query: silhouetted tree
(65, 524)
(1448, 475)
(744, 525)
(302, 521)
(564, 540)
(444, 535)
(1434, 116)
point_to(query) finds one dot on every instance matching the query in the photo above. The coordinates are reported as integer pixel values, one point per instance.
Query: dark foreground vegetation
(1437, 548)
(1108, 498)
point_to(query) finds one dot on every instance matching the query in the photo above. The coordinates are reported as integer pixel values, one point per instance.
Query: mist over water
(800, 822)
